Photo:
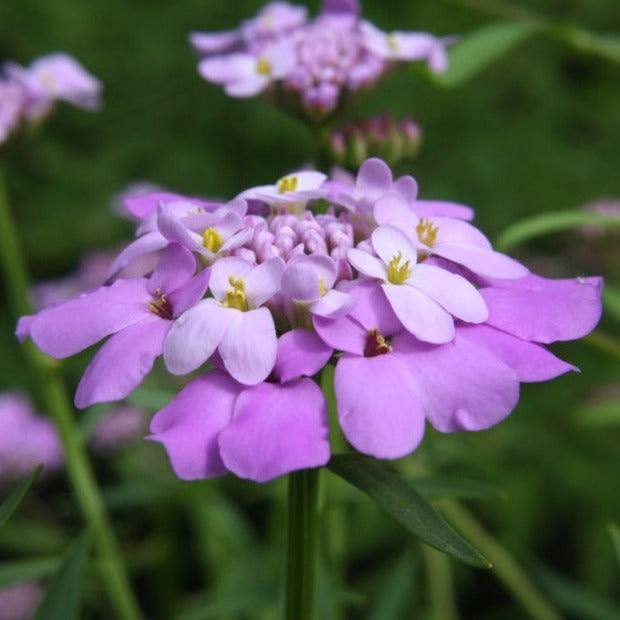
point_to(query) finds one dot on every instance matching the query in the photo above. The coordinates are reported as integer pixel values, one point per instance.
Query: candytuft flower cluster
(28, 94)
(315, 62)
(422, 319)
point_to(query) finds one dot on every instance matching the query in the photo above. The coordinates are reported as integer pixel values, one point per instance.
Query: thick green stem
(301, 569)
(55, 398)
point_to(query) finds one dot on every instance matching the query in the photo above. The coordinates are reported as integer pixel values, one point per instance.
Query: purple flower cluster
(422, 319)
(28, 94)
(317, 60)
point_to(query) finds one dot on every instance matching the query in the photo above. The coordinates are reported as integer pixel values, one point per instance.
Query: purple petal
(222, 270)
(407, 188)
(389, 241)
(392, 210)
(333, 303)
(173, 229)
(70, 327)
(176, 266)
(209, 42)
(463, 387)
(379, 405)
(451, 230)
(189, 426)
(531, 362)
(339, 7)
(367, 264)
(342, 333)
(249, 346)
(263, 281)
(276, 429)
(300, 352)
(566, 310)
(374, 177)
(420, 315)
(122, 362)
(452, 292)
(190, 293)
(195, 335)
(146, 204)
(300, 281)
(485, 262)
(372, 310)
(150, 242)
(430, 208)
(24, 325)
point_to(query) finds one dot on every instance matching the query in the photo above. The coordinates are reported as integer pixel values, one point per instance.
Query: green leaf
(611, 301)
(10, 504)
(435, 487)
(614, 532)
(27, 570)
(546, 223)
(585, 41)
(605, 413)
(62, 598)
(390, 602)
(402, 502)
(479, 49)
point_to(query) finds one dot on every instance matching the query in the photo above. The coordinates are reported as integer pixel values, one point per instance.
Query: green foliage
(10, 504)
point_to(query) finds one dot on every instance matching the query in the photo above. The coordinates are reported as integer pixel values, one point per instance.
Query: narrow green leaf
(614, 532)
(546, 223)
(27, 570)
(605, 413)
(62, 598)
(390, 602)
(435, 487)
(606, 46)
(402, 502)
(10, 504)
(479, 49)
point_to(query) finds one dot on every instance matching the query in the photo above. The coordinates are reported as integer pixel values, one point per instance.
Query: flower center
(212, 240)
(263, 66)
(161, 306)
(398, 273)
(322, 288)
(376, 344)
(235, 296)
(392, 42)
(287, 184)
(427, 232)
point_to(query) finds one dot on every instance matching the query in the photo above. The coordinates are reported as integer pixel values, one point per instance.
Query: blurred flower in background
(19, 601)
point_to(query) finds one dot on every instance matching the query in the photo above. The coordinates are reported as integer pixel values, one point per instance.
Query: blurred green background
(538, 131)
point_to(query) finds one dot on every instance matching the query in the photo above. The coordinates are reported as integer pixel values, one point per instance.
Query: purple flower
(138, 312)
(12, 101)
(52, 77)
(26, 439)
(422, 296)
(216, 424)
(234, 321)
(19, 600)
(118, 427)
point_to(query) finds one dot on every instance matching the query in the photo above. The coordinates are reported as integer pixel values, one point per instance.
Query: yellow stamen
(392, 42)
(235, 296)
(397, 273)
(427, 232)
(322, 288)
(376, 344)
(161, 306)
(212, 240)
(263, 66)
(287, 184)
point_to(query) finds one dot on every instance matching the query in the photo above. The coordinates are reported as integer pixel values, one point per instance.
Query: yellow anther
(212, 240)
(263, 66)
(376, 344)
(427, 232)
(398, 273)
(287, 184)
(392, 42)
(161, 306)
(235, 296)
(322, 288)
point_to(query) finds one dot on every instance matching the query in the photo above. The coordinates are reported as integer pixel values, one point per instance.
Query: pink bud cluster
(423, 320)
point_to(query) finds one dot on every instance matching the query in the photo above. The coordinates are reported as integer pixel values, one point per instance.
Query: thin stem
(55, 398)
(440, 585)
(301, 570)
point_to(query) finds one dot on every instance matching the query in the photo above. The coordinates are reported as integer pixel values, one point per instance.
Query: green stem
(301, 569)
(440, 584)
(505, 567)
(55, 398)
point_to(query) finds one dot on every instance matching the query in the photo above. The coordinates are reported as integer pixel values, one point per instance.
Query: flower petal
(379, 405)
(431, 208)
(249, 346)
(451, 291)
(481, 260)
(388, 241)
(150, 242)
(333, 303)
(189, 426)
(195, 335)
(342, 333)
(263, 282)
(463, 387)
(367, 264)
(276, 429)
(374, 177)
(420, 315)
(122, 362)
(70, 327)
(530, 361)
(300, 352)
(221, 272)
(189, 293)
(176, 266)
